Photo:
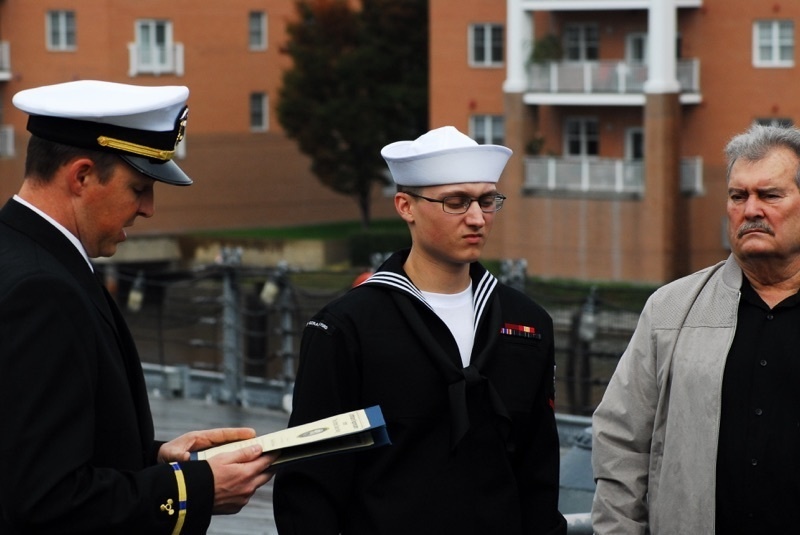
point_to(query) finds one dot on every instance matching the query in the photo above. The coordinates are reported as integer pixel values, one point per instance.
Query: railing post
(587, 77)
(585, 172)
(622, 77)
(278, 292)
(231, 327)
(587, 332)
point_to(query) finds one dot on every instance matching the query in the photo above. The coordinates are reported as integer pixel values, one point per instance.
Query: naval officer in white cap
(461, 365)
(78, 453)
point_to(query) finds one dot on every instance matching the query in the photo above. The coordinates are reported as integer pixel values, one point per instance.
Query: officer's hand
(179, 448)
(237, 475)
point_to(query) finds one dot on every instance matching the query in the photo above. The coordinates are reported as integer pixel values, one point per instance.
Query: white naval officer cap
(142, 124)
(444, 156)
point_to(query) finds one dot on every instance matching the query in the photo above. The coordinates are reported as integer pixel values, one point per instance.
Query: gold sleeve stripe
(181, 498)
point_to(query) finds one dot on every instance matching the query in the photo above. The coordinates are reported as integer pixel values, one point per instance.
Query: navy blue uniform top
(474, 450)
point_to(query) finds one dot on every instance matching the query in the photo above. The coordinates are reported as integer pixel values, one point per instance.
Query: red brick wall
(242, 179)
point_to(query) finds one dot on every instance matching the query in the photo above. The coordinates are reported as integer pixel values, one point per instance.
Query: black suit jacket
(78, 453)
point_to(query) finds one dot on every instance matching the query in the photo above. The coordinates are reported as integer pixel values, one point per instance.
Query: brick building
(247, 173)
(617, 127)
(617, 123)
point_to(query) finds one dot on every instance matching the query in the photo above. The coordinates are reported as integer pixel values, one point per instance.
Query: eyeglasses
(459, 204)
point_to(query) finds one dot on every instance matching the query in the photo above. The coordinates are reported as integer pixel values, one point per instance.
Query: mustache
(754, 225)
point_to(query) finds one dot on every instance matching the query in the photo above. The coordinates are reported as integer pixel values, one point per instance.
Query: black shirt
(758, 472)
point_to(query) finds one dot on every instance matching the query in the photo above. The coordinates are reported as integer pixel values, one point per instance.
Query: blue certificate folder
(350, 431)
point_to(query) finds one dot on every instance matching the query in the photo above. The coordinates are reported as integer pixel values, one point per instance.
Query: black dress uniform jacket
(77, 453)
(474, 450)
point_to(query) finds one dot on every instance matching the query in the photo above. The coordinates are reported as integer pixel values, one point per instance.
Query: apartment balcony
(166, 59)
(597, 5)
(5, 61)
(601, 177)
(597, 83)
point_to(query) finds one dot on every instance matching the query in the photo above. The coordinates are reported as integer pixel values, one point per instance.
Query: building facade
(247, 173)
(617, 112)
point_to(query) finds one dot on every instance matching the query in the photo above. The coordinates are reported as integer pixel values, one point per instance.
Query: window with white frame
(636, 48)
(257, 30)
(155, 50)
(259, 112)
(581, 42)
(783, 122)
(486, 45)
(773, 43)
(60, 25)
(634, 143)
(581, 137)
(489, 129)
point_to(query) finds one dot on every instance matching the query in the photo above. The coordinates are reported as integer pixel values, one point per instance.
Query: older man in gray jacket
(697, 431)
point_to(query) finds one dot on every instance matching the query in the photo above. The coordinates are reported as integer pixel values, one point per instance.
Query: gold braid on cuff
(181, 498)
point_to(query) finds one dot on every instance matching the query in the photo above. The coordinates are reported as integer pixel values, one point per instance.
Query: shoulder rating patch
(321, 325)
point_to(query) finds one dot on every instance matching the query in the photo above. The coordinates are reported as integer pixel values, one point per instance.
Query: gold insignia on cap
(135, 148)
(182, 125)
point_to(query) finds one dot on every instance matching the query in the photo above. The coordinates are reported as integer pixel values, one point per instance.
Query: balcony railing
(158, 60)
(5, 61)
(601, 177)
(594, 77)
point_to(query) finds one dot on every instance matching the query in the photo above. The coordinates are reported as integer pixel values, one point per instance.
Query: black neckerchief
(486, 305)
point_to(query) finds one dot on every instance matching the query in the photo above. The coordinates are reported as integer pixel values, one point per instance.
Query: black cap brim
(166, 171)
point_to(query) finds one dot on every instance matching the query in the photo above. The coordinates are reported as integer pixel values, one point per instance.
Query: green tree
(358, 81)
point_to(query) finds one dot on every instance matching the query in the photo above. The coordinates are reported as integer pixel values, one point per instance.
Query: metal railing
(167, 59)
(601, 176)
(185, 323)
(597, 77)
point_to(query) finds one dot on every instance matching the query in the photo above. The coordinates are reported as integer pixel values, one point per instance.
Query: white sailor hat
(444, 156)
(143, 125)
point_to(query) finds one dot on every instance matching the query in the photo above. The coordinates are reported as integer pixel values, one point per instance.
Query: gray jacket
(656, 429)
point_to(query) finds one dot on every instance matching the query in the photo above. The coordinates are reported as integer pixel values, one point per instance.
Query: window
(634, 144)
(486, 44)
(6, 141)
(636, 48)
(154, 50)
(773, 43)
(60, 30)
(581, 42)
(784, 122)
(259, 112)
(581, 137)
(487, 129)
(257, 30)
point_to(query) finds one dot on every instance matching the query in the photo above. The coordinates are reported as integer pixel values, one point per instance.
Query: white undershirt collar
(456, 311)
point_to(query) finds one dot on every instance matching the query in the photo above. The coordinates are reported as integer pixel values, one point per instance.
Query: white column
(519, 35)
(662, 36)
